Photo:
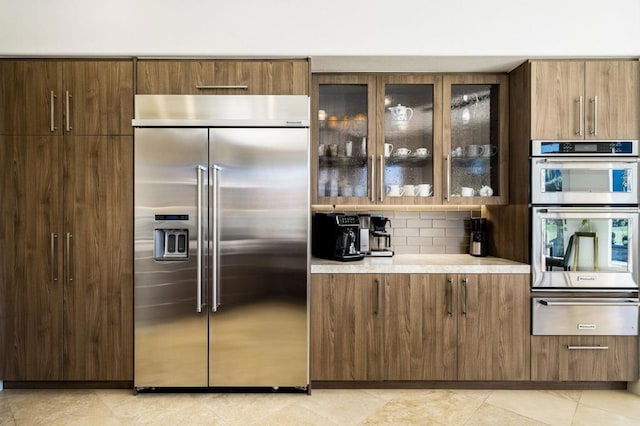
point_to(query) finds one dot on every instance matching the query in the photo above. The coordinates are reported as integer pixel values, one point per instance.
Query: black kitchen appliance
(380, 241)
(478, 243)
(334, 236)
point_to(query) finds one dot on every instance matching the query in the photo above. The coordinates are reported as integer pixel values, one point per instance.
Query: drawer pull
(587, 348)
(244, 87)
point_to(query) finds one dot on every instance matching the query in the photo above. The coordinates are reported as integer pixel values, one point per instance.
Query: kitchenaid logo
(586, 278)
(586, 326)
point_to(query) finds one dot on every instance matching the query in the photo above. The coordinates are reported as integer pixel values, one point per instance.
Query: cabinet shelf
(343, 161)
(409, 160)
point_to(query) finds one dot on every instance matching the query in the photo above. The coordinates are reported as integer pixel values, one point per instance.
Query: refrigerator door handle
(199, 170)
(215, 275)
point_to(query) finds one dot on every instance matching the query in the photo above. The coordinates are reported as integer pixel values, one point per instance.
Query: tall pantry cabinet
(66, 152)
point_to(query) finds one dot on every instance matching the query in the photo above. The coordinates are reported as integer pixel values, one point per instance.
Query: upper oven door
(584, 180)
(584, 247)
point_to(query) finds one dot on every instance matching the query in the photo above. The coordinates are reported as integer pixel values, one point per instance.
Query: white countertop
(421, 264)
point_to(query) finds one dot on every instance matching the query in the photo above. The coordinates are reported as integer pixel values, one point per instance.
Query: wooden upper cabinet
(223, 77)
(31, 101)
(47, 97)
(585, 100)
(98, 97)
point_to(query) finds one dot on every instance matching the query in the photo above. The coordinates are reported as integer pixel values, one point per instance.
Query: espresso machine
(380, 239)
(478, 243)
(334, 236)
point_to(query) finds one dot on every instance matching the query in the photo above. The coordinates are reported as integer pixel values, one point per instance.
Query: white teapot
(485, 191)
(401, 113)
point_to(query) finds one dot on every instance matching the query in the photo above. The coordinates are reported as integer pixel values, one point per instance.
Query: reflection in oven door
(584, 247)
(585, 316)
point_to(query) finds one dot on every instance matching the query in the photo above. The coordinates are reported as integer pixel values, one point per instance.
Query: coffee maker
(380, 239)
(478, 243)
(334, 236)
(364, 246)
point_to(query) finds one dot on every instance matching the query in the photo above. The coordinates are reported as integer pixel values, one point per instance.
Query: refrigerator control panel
(171, 244)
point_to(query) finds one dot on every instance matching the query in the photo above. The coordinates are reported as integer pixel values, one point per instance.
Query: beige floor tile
(489, 414)
(590, 416)
(295, 415)
(618, 401)
(49, 406)
(551, 407)
(426, 407)
(343, 407)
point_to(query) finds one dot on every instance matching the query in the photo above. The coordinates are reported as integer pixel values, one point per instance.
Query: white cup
(457, 152)
(403, 152)
(394, 191)
(348, 149)
(465, 191)
(388, 148)
(346, 191)
(422, 152)
(322, 149)
(409, 190)
(401, 113)
(423, 190)
(473, 151)
(489, 150)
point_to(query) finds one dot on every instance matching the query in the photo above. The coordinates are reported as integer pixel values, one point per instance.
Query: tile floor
(324, 407)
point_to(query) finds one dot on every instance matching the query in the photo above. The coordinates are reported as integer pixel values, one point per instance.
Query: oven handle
(625, 160)
(587, 210)
(629, 303)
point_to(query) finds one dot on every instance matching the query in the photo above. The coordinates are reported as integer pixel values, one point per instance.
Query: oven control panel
(584, 148)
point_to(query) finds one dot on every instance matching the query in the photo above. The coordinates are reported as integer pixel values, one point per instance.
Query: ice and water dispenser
(171, 243)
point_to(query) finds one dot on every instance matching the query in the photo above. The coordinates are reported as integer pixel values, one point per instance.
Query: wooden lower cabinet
(584, 358)
(66, 279)
(419, 327)
(346, 326)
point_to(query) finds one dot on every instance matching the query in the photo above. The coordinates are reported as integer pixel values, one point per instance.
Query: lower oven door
(585, 316)
(577, 248)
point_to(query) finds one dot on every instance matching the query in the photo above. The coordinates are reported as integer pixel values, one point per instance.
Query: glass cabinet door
(343, 145)
(475, 133)
(407, 151)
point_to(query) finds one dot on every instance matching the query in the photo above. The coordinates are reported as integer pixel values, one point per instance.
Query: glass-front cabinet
(409, 139)
(475, 125)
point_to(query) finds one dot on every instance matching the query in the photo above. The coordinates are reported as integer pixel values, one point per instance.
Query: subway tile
(418, 223)
(406, 232)
(406, 249)
(449, 241)
(398, 223)
(433, 215)
(432, 250)
(457, 249)
(419, 241)
(399, 241)
(458, 215)
(406, 215)
(455, 232)
(432, 232)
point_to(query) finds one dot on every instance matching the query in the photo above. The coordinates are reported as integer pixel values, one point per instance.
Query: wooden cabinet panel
(98, 340)
(100, 97)
(346, 326)
(31, 101)
(419, 327)
(169, 77)
(573, 358)
(31, 266)
(617, 87)
(493, 327)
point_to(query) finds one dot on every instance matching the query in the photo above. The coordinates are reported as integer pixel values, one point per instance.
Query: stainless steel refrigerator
(221, 241)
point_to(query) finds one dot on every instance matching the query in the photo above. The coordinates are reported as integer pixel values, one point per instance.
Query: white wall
(265, 28)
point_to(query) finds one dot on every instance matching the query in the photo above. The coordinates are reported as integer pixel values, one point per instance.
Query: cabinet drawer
(223, 77)
(584, 358)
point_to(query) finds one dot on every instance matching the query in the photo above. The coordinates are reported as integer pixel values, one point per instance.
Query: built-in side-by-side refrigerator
(221, 241)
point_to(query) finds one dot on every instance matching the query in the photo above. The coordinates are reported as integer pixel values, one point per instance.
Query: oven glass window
(586, 180)
(586, 244)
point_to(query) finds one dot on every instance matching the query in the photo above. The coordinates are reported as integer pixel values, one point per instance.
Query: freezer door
(260, 215)
(171, 176)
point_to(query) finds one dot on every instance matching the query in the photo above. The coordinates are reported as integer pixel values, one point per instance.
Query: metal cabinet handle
(54, 269)
(448, 169)
(68, 255)
(583, 348)
(629, 303)
(373, 178)
(205, 87)
(67, 110)
(215, 276)
(200, 254)
(580, 102)
(464, 286)
(377, 305)
(53, 112)
(594, 103)
(382, 178)
(450, 282)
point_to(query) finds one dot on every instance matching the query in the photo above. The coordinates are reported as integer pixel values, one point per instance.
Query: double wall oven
(584, 205)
